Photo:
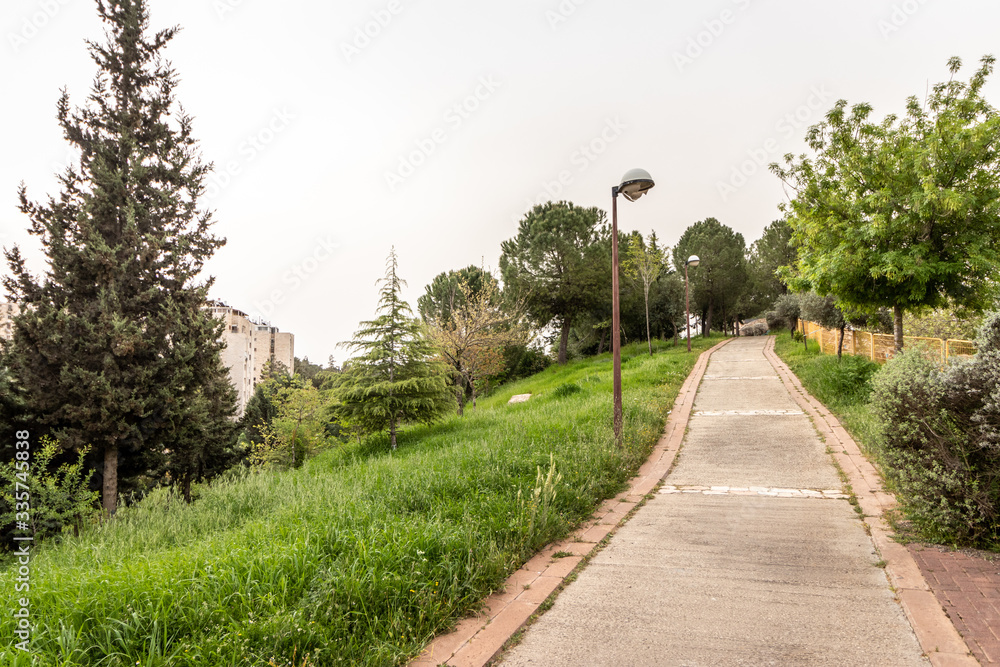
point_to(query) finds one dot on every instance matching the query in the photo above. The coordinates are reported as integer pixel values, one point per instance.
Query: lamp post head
(635, 183)
(693, 260)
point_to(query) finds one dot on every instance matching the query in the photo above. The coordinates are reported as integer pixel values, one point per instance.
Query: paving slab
(738, 394)
(714, 580)
(744, 450)
(719, 572)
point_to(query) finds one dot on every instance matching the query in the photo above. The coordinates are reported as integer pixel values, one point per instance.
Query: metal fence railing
(881, 347)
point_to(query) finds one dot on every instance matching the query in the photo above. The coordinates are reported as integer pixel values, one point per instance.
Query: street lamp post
(692, 261)
(635, 184)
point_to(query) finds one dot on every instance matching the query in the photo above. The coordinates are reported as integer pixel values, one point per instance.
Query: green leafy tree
(717, 285)
(296, 429)
(666, 304)
(205, 446)
(904, 213)
(450, 290)
(257, 423)
(823, 311)
(554, 264)
(768, 254)
(473, 337)
(943, 323)
(112, 347)
(309, 371)
(644, 263)
(61, 497)
(787, 310)
(394, 379)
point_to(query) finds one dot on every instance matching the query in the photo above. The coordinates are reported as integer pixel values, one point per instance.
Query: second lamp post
(635, 184)
(692, 261)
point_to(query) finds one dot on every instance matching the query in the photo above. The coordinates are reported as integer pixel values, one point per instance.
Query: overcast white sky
(439, 128)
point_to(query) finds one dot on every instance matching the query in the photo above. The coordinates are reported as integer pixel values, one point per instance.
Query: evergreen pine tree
(113, 347)
(395, 378)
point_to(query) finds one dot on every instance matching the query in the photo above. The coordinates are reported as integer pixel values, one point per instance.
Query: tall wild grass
(360, 556)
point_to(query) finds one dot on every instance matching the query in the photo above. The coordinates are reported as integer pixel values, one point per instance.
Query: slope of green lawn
(843, 386)
(360, 557)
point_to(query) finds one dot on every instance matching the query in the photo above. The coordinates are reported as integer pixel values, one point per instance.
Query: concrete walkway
(750, 554)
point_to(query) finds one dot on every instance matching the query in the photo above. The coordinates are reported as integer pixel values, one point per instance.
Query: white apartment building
(249, 346)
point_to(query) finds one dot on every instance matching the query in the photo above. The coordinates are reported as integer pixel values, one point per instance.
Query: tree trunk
(186, 487)
(840, 343)
(460, 399)
(649, 339)
(600, 345)
(897, 327)
(109, 497)
(674, 327)
(707, 326)
(295, 435)
(564, 341)
(392, 431)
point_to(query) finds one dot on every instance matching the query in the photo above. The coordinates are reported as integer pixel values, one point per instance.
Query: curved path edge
(478, 639)
(936, 633)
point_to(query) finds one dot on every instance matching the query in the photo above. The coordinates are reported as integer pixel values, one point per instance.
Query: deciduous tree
(644, 263)
(902, 213)
(473, 337)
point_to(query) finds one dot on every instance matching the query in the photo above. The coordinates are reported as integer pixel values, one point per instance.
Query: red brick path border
(968, 587)
(478, 639)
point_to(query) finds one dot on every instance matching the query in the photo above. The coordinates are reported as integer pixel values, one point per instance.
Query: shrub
(757, 328)
(60, 497)
(940, 434)
(774, 321)
(567, 389)
(849, 378)
(788, 309)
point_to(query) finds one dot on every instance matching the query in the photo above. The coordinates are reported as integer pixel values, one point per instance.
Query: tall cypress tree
(112, 347)
(395, 378)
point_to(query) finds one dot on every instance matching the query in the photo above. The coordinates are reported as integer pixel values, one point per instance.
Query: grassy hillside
(362, 555)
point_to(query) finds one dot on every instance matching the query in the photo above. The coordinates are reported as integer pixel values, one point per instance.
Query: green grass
(842, 386)
(361, 556)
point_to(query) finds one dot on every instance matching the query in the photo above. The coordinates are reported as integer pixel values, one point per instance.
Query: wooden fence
(881, 347)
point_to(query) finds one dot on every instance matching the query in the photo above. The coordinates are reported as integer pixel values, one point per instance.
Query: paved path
(748, 555)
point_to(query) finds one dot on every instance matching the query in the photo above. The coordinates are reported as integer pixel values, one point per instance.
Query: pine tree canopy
(395, 378)
(112, 347)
